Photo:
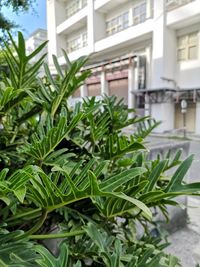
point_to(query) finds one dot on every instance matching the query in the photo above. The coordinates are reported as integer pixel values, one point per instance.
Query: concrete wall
(163, 112)
(187, 72)
(99, 23)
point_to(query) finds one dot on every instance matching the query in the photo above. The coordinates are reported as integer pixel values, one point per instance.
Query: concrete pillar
(90, 25)
(55, 15)
(148, 9)
(99, 23)
(163, 66)
(131, 85)
(136, 72)
(164, 50)
(130, 16)
(147, 106)
(148, 66)
(104, 83)
(163, 112)
(51, 30)
(83, 90)
(197, 130)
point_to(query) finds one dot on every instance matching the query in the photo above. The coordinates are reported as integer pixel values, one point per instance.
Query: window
(84, 39)
(77, 42)
(74, 6)
(139, 13)
(172, 4)
(117, 24)
(84, 3)
(188, 47)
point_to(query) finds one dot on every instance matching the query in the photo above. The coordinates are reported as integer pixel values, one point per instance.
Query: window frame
(187, 46)
(75, 6)
(117, 23)
(77, 42)
(140, 13)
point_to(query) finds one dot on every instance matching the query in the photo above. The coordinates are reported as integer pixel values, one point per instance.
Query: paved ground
(185, 243)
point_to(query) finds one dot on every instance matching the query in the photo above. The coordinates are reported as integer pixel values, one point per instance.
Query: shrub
(71, 174)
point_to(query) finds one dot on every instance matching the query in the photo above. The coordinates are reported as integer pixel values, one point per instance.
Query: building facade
(38, 37)
(146, 51)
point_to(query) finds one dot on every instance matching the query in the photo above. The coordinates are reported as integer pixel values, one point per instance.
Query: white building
(147, 51)
(38, 37)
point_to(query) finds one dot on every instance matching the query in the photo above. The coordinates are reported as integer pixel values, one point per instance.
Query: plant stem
(21, 215)
(61, 235)
(37, 226)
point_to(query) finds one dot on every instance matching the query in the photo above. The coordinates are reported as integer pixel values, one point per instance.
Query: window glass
(182, 54)
(136, 11)
(125, 20)
(117, 24)
(143, 8)
(192, 38)
(192, 53)
(84, 3)
(187, 47)
(77, 42)
(74, 6)
(84, 37)
(139, 13)
(182, 41)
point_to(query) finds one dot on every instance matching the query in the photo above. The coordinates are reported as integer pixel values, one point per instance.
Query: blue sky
(29, 22)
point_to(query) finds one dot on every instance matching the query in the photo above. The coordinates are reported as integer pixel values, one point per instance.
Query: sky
(29, 22)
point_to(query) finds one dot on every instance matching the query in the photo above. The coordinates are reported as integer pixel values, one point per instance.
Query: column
(148, 66)
(130, 16)
(90, 25)
(147, 106)
(104, 84)
(136, 66)
(84, 91)
(131, 84)
(164, 50)
(163, 67)
(55, 15)
(148, 9)
(197, 130)
(163, 112)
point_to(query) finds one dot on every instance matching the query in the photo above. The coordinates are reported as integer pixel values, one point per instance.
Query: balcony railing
(74, 6)
(173, 4)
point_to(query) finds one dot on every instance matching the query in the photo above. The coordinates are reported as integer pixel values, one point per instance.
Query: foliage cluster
(71, 174)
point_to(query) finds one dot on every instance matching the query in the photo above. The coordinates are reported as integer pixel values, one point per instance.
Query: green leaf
(20, 193)
(118, 180)
(146, 211)
(178, 176)
(50, 260)
(40, 149)
(155, 175)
